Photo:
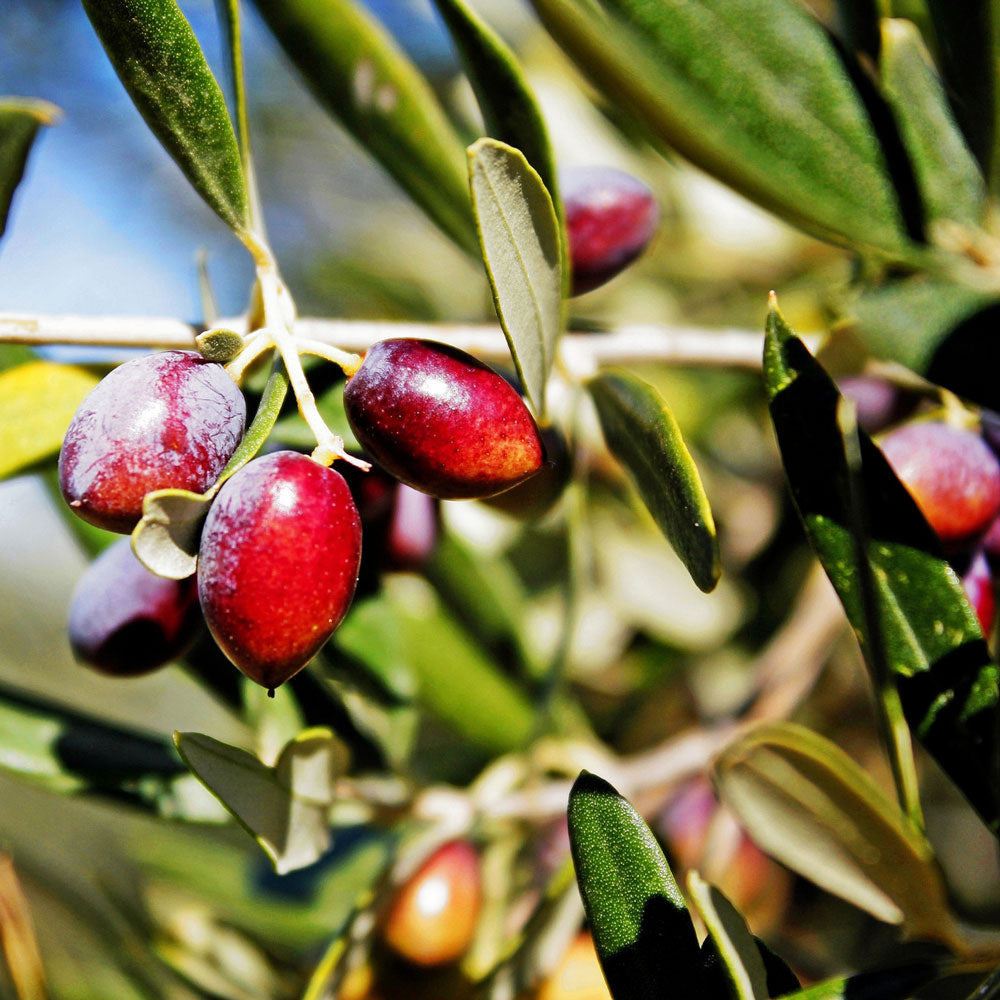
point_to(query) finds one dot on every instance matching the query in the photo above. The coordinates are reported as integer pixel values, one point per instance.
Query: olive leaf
(808, 804)
(509, 107)
(950, 183)
(519, 237)
(284, 808)
(20, 118)
(858, 21)
(641, 927)
(166, 538)
(158, 59)
(891, 983)
(37, 403)
(755, 94)
(734, 944)
(642, 434)
(930, 638)
(360, 74)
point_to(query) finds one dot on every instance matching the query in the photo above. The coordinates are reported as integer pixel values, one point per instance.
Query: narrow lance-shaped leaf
(641, 927)
(159, 61)
(20, 118)
(37, 402)
(366, 81)
(951, 185)
(505, 98)
(283, 807)
(755, 94)
(642, 434)
(519, 236)
(806, 803)
(933, 645)
(892, 983)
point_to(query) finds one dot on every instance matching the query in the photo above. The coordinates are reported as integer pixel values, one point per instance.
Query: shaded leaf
(20, 118)
(950, 183)
(753, 93)
(931, 638)
(364, 79)
(285, 807)
(166, 538)
(37, 403)
(966, 40)
(735, 945)
(509, 108)
(894, 983)
(641, 927)
(642, 434)
(158, 59)
(806, 803)
(519, 236)
(859, 25)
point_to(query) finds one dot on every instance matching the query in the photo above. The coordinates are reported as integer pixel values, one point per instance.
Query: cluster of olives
(280, 550)
(953, 474)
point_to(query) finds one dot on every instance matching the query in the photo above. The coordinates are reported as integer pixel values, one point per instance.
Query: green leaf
(642, 434)
(158, 59)
(808, 804)
(228, 13)
(893, 983)
(735, 945)
(966, 44)
(930, 636)
(166, 538)
(755, 94)
(642, 930)
(519, 236)
(950, 183)
(509, 108)
(362, 77)
(20, 118)
(37, 402)
(283, 807)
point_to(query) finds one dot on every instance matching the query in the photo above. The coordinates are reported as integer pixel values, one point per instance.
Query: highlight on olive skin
(124, 621)
(278, 564)
(167, 420)
(952, 475)
(611, 217)
(432, 918)
(440, 421)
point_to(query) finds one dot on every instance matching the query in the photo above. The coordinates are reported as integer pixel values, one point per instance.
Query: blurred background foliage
(128, 905)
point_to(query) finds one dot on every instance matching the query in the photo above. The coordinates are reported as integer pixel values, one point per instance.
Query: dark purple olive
(610, 218)
(166, 420)
(124, 621)
(952, 475)
(441, 421)
(879, 404)
(278, 564)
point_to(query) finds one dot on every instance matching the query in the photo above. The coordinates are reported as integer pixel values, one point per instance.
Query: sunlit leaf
(808, 804)
(948, 176)
(362, 77)
(285, 807)
(37, 402)
(20, 118)
(641, 927)
(519, 235)
(158, 59)
(930, 638)
(755, 94)
(642, 434)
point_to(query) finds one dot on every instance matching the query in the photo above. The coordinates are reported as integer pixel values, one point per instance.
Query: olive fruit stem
(350, 363)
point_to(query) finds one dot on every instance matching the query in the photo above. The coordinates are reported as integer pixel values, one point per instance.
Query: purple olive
(278, 564)
(166, 420)
(879, 403)
(441, 421)
(124, 621)
(610, 218)
(977, 581)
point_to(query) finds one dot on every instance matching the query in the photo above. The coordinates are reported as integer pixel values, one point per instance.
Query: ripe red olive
(125, 621)
(441, 421)
(977, 581)
(610, 218)
(278, 564)
(953, 476)
(165, 420)
(536, 496)
(432, 918)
